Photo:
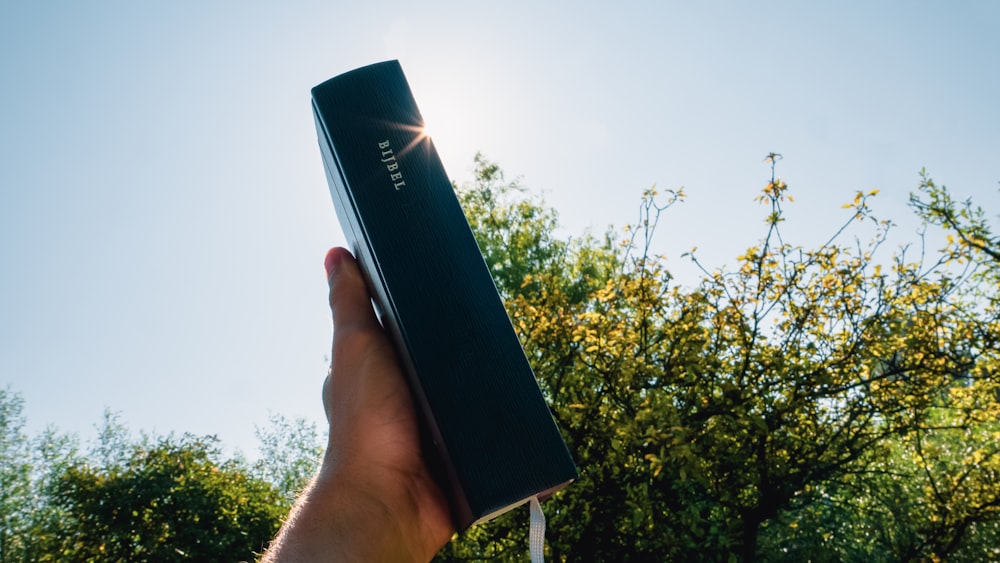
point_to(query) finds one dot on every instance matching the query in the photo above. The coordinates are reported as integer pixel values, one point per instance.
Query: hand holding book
(469, 395)
(482, 412)
(373, 498)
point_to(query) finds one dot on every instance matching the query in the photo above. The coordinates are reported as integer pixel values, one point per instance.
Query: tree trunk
(748, 547)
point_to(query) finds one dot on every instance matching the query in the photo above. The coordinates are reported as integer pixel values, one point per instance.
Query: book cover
(496, 441)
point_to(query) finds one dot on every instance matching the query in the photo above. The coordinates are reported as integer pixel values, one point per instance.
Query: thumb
(350, 302)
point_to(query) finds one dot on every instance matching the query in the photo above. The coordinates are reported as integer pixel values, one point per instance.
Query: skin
(373, 498)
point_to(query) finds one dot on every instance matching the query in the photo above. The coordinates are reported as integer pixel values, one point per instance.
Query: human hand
(373, 498)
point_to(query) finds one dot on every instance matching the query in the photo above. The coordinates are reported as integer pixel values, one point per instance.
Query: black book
(496, 441)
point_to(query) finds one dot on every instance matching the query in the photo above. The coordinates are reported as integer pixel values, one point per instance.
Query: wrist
(348, 515)
(379, 512)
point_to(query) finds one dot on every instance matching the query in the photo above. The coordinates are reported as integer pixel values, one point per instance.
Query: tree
(28, 468)
(15, 476)
(290, 452)
(171, 500)
(142, 498)
(939, 487)
(710, 419)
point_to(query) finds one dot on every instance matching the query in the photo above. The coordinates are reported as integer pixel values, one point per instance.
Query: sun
(448, 119)
(425, 131)
(421, 137)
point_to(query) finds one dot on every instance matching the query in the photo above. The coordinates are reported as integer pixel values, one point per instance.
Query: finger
(352, 315)
(350, 302)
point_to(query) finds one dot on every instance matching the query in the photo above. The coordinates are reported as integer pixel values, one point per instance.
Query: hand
(373, 498)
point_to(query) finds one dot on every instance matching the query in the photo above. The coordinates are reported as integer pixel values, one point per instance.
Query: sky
(164, 212)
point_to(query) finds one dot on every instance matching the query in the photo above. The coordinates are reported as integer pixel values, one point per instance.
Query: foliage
(803, 404)
(517, 235)
(171, 500)
(135, 499)
(970, 231)
(14, 471)
(28, 468)
(290, 451)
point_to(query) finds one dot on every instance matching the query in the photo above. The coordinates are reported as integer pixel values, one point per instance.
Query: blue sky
(164, 214)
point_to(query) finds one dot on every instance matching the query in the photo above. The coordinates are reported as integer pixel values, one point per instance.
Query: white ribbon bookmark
(536, 534)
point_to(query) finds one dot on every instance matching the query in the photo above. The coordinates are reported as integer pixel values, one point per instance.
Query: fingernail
(333, 259)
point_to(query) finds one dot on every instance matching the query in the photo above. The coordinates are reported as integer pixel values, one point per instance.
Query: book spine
(496, 440)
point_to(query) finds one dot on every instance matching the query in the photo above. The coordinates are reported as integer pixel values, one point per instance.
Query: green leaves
(290, 454)
(140, 499)
(171, 500)
(29, 466)
(752, 413)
